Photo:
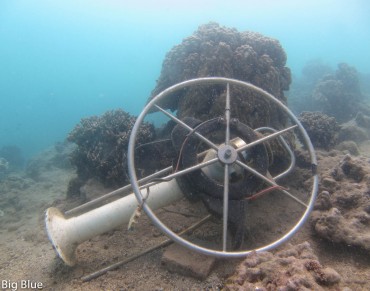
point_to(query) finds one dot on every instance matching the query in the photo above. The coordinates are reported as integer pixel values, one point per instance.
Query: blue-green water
(64, 60)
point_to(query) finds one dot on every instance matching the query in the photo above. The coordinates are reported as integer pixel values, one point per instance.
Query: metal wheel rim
(158, 223)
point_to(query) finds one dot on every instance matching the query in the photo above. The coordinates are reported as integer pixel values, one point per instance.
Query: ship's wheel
(227, 172)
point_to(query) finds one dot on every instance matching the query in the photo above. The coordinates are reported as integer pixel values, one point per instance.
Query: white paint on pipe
(67, 234)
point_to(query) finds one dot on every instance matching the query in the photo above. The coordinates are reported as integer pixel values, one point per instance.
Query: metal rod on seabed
(151, 249)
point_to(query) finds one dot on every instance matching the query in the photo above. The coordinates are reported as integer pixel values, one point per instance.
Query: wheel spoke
(227, 115)
(226, 171)
(226, 207)
(270, 182)
(180, 173)
(265, 138)
(187, 127)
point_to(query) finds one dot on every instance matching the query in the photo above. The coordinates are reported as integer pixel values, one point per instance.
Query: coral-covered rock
(341, 211)
(295, 268)
(321, 128)
(356, 129)
(349, 146)
(219, 51)
(102, 143)
(314, 70)
(339, 94)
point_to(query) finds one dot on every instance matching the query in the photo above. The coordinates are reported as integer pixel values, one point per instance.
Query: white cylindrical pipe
(67, 234)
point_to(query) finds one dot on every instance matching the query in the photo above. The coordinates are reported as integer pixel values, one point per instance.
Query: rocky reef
(321, 128)
(339, 94)
(296, 268)
(214, 50)
(101, 151)
(300, 91)
(356, 129)
(342, 210)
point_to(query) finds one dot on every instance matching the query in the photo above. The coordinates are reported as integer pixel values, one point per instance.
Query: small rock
(183, 261)
(330, 276)
(350, 146)
(329, 183)
(323, 201)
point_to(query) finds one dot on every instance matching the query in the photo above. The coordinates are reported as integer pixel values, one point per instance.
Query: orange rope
(264, 191)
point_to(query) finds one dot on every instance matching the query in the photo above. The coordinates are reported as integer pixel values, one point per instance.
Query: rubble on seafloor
(341, 216)
(342, 210)
(294, 268)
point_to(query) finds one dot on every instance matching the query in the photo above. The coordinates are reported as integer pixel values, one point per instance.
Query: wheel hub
(227, 154)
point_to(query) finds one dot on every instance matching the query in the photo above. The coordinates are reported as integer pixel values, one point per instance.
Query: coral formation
(314, 70)
(300, 91)
(350, 146)
(214, 50)
(356, 129)
(342, 210)
(321, 128)
(102, 143)
(339, 94)
(296, 268)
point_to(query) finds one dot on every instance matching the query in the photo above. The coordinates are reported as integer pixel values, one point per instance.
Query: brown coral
(295, 268)
(321, 128)
(219, 51)
(102, 143)
(339, 95)
(341, 212)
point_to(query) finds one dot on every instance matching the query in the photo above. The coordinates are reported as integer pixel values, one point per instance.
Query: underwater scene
(185, 145)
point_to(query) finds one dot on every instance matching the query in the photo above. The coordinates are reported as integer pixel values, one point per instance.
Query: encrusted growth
(102, 143)
(321, 128)
(339, 94)
(219, 51)
(296, 268)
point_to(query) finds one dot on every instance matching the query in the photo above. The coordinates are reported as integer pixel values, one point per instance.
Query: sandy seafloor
(27, 254)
